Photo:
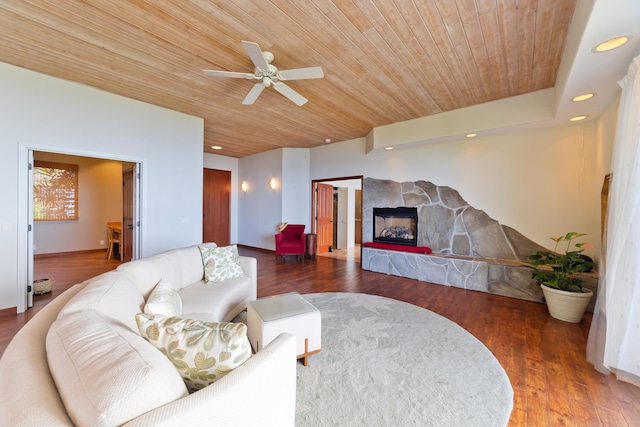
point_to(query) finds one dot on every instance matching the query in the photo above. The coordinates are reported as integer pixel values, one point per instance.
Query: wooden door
(358, 218)
(126, 238)
(324, 217)
(216, 209)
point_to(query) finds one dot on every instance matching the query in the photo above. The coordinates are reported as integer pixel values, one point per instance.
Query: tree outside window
(55, 191)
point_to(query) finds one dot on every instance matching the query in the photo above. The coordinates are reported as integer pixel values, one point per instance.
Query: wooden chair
(113, 236)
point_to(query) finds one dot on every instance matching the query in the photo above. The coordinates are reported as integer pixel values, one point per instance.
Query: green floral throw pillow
(221, 263)
(202, 352)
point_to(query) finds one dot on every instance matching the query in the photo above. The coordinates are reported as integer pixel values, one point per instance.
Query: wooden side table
(311, 245)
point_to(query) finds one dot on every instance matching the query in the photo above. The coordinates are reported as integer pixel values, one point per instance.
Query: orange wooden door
(324, 217)
(126, 239)
(216, 210)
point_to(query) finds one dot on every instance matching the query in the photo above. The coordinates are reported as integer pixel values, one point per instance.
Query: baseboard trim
(52, 254)
(255, 248)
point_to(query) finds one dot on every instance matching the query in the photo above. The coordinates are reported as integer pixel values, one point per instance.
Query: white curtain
(614, 339)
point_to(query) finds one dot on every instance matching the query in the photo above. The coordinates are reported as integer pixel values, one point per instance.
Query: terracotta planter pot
(566, 306)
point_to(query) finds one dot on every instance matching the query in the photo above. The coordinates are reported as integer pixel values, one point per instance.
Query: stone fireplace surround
(470, 249)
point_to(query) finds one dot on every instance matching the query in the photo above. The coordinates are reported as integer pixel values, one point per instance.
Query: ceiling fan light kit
(268, 75)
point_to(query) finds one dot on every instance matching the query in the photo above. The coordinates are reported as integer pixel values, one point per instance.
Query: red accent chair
(291, 241)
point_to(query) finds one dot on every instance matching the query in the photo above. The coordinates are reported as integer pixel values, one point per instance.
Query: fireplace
(396, 225)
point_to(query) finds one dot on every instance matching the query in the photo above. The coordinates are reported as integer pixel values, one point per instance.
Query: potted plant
(559, 277)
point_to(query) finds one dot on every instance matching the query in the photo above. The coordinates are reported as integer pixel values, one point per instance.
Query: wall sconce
(273, 183)
(244, 186)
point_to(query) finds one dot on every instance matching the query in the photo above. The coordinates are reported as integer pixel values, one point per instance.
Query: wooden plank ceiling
(384, 61)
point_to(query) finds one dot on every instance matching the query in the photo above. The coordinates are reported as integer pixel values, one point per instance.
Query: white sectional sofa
(82, 360)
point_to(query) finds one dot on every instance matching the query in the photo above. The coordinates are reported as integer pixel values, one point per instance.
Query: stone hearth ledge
(495, 276)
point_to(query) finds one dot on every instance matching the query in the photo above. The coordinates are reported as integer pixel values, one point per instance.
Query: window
(55, 191)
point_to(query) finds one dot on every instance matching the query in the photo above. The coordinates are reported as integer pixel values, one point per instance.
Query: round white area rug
(389, 363)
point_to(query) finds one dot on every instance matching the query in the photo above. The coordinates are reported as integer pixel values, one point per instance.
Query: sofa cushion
(191, 263)
(105, 373)
(110, 293)
(164, 300)
(180, 267)
(219, 299)
(203, 352)
(147, 272)
(221, 263)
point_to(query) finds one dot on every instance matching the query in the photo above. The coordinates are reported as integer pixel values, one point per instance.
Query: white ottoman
(269, 317)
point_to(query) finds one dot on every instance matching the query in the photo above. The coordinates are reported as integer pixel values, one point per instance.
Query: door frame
(314, 199)
(25, 205)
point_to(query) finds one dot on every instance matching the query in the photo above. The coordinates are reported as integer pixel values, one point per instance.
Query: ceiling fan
(269, 75)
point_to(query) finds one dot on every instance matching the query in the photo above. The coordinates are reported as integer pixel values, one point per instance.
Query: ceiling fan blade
(302, 73)
(255, 54)
(253, 94)
(290, 93)
(215, 73)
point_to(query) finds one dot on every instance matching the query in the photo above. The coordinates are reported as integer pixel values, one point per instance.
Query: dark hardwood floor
(544, 358)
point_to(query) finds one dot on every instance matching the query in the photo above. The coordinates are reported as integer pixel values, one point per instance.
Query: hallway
(352, 254)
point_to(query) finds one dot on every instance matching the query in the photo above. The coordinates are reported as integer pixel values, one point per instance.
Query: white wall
(260, 207)
(215, 161)
(48, 114)
(296, 187)
(540, 182)
(99, 202)
(352, 186)
(343, 230)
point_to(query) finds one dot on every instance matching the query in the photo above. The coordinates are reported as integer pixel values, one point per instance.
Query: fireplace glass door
(395, 225)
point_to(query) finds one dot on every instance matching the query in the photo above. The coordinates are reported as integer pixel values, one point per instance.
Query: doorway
(107, 192)
(337, 216)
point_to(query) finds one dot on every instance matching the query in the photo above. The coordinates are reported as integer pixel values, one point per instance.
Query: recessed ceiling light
(583, 97)
(328, 140)
(388, 148)
(216, 147)
(471, 135)
(577, 118)
(611, 44)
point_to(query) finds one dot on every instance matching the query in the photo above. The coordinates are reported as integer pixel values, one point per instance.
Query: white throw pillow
(107, 374)
(164, 300)
(202, 352)
(221, 263)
